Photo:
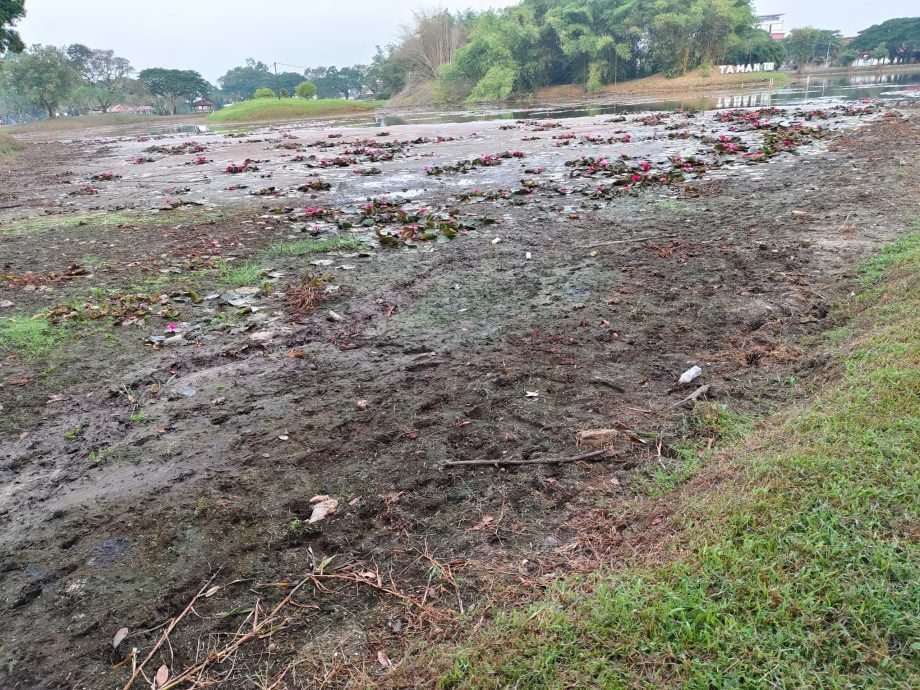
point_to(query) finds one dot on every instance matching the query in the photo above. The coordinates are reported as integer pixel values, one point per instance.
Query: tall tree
(105, 73)
(172, 86)
(900, 38)
(11, 11)
(42, 76)
(807, 44)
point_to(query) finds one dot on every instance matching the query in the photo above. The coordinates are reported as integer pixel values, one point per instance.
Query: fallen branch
(702, 390)
(259, 627)
(631, 239)
(532, 461)
(165, 636)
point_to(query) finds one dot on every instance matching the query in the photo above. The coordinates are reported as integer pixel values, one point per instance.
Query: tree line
(479, 57)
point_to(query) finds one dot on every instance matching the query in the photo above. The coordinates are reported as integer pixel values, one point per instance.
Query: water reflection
(809, 90)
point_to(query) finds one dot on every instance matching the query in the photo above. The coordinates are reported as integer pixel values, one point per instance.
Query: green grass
(799, 572)
(289, 109)
(29, 337)
(8, 146)
(65, 124)
(91, 221)
(315, 246)
(235, 276)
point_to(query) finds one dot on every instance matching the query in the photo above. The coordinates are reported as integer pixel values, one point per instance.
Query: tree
(756, 47)
(42, 76)
(11, 11)
(808, 44)
(900, 38)
(172, 86)
(241, 82)
(305, 89)
(104, 72)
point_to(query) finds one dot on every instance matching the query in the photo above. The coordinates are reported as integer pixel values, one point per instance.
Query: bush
(305, 89)
(264, 93)
(496, 85)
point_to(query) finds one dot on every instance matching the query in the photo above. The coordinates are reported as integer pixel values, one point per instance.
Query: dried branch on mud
(533, 461)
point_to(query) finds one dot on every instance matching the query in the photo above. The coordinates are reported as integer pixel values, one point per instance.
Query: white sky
(212, 36)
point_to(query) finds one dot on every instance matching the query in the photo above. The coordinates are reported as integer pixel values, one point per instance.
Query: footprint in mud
(108, 552)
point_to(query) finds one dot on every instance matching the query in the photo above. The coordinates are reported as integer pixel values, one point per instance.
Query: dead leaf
(384, 660)
(161, 677)
(482, 524)
(322, 507)
(296, 354)
(119, 637)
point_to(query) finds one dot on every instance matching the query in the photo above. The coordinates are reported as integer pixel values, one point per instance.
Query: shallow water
(891, 86)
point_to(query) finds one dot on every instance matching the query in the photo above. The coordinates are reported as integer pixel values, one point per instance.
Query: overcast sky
(212, 36)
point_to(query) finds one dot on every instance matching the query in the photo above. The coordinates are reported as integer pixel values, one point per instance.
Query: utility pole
(277, 82)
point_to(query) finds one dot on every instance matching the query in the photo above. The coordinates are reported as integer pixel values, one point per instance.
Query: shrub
(305, 89)
(264, 92)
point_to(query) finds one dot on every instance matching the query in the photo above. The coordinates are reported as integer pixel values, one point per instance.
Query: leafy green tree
(305, 89)
(240, 82)
(11, 11)
(173, 86)
(106, 75)
(43, 77)
(756, 47)
(264, 93)
(808, 44)
(386, 75)
(901, 38)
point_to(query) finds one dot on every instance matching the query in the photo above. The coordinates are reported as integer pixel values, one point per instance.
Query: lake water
(813, 91)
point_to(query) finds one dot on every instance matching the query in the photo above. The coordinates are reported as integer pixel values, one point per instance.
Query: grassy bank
(262, 109)
(696, 82)
(68, 124)
(8, 146)
(794, 556)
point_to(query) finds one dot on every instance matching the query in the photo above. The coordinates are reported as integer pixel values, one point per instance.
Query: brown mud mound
(136, 476)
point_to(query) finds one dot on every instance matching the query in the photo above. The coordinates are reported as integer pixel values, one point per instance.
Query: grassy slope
(288, 108)
(8, 146)
(800, 572)
(693, 82)
(66, 124)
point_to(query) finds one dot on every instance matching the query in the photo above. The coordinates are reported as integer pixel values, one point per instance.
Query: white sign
(741, 69)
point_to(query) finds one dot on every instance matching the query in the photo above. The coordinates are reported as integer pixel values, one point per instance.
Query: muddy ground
(168, 433)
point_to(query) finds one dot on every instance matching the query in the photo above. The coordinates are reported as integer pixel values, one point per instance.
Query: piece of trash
(156, 339)
(335, 316)
(283, 437)
(322, 262)
(689, 376)
(322, 506)
(531, 394)
(187, 391)
(347, 267)
(173, 340)
(119, 637)
(596, 438)
(496, 240)
(240, 297)
(527, 256)
(361, 405)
